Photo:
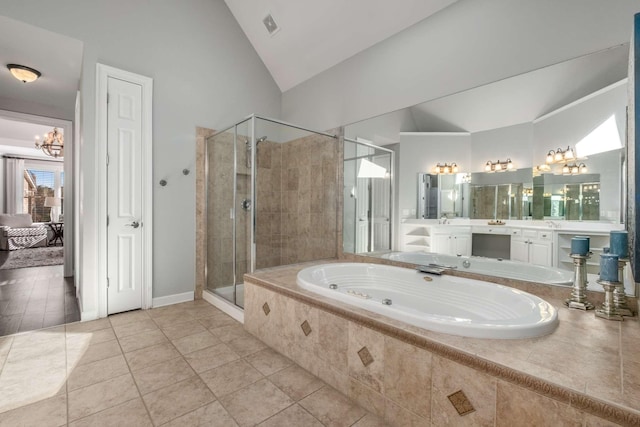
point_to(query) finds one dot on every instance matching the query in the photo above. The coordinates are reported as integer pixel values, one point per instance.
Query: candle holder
(579, 292)
(608, 310)
(619, 296)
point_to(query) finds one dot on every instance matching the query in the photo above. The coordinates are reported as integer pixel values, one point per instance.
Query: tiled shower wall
(296, 208)
(296, 205)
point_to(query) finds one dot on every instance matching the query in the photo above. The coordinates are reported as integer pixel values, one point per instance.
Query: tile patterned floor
(183, 365)
(35, 298)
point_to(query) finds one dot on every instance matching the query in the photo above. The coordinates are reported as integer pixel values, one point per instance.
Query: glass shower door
(228, 211)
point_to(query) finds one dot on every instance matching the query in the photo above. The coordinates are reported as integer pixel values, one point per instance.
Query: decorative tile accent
(266, 309)
(460, 401)
(365, 356)
(306, 328)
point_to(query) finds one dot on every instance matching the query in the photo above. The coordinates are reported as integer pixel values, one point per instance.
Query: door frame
(103, 73)
(68, 167)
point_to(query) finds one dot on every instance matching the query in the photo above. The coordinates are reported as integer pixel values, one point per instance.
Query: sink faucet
(553, 224)
(444, 220)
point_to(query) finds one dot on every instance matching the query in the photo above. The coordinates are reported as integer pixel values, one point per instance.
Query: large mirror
(578, 104)
(368, 189)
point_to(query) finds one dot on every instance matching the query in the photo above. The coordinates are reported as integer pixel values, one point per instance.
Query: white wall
(514, 142)
(205, 74)
(468, 44)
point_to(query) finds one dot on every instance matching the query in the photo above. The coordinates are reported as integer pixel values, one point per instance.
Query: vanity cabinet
(532, 246)
(452, 240)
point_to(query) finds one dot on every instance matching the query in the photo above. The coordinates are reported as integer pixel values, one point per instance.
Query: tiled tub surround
(586, 373)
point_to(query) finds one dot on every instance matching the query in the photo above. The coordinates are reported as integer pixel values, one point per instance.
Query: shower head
(264, 138)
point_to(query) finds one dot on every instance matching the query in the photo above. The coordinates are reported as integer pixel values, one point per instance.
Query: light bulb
(569, 153)
(550, 156)
(565, 169)
(558, 155)
(487, 167)
(455, 168)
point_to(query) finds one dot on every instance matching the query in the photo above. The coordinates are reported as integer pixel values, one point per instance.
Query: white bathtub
(489, 267)
(447, 304)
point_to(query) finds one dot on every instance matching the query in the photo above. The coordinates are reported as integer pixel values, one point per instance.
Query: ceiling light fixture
(23, 73)
(446, 168)
(52, 144)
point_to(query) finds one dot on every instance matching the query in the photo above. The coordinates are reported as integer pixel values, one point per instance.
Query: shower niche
(271, 200)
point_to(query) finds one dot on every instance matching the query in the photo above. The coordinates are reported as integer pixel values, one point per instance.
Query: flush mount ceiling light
(23, 73)
(52, 144)
(446, 168)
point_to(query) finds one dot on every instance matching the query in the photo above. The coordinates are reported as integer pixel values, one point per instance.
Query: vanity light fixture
(574, 169)
(560, 155)
(23, 73)
(499, 166)
(446, 168)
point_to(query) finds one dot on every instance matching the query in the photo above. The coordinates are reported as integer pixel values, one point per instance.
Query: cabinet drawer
(530, 233)
(544, 235)
(516, 232)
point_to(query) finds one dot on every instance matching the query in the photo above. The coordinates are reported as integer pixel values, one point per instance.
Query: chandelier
(52, 144)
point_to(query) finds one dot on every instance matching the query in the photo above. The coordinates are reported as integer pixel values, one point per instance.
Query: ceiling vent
(270, 25)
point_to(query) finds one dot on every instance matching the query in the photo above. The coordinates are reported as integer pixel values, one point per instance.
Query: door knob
(134, 224)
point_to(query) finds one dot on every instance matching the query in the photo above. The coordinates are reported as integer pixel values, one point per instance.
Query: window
(40, 183)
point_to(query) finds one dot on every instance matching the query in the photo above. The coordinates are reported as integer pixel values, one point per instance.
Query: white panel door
(363, 214)
(124, 196)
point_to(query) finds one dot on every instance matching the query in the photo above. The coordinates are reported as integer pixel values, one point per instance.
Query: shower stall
(271, 191)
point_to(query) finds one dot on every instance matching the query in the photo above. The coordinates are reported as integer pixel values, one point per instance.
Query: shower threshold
(222, 298)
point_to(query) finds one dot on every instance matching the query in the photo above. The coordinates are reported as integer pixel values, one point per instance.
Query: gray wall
(205, 73)
(468, 44)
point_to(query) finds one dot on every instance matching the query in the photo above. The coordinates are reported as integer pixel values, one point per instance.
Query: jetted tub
(448, 304)
(489, 267)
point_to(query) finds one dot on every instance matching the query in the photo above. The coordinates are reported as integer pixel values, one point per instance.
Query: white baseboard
(226, 307)
(85, 316)
(172, 299)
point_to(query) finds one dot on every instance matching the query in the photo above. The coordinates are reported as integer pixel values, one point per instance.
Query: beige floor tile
(202, 311)
(126, 329)
(48, 412)
(128, 317)
(268, 361)
(30, 380)
(228, 378)
(370, 420)
(173, 318)
(211, 357)
(149, 356)
(177, 399)
(218, 321)
(195, 342)
(5, 345)
(131, 413)
(96, 372)
(255, 403)
(173, 332)
(332, 408)
(100, 351)
(229, 332)
(211, 415)
(97, 397)
(246, 345)
(142, 340)
(91, 326)
(162, 374)
(103, 335)
(36, 344)
(296, 382)
(294, 415)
